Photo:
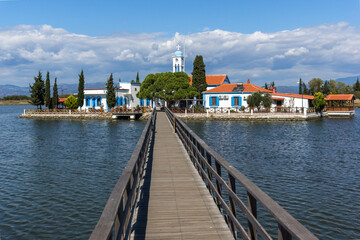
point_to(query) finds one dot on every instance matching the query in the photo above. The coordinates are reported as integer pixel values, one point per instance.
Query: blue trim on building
(217, 101)
(232, 101)
(141, 102)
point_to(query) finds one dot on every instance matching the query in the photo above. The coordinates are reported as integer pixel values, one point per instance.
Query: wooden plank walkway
(174, 201)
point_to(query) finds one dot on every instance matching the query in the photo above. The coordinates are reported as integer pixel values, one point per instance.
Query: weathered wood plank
(175, 202)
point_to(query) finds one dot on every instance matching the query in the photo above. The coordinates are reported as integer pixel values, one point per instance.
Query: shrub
(71, 102)
(319, 101)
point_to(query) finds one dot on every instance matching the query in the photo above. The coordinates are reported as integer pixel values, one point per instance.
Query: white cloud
(326, 51)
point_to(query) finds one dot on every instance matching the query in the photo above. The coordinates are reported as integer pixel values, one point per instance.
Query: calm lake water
(56, 176)
(312, 168)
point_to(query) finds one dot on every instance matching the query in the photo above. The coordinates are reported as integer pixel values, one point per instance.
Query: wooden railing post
(208, 158)
(174, 123)
(232, 205)
(218, 185)
(252, 206)
(283, 234)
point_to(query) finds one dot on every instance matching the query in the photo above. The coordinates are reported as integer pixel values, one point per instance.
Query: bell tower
(178, 61)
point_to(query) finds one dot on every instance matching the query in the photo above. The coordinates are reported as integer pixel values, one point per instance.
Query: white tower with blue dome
(178, 61)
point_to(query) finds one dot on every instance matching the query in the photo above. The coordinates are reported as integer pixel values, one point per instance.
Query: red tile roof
(340, 97)
(61, 100)
(226, 88)
(293, 95)
(213, 79)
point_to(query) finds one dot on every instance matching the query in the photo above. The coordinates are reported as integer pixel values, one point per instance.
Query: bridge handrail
(210, 164)
(117, 214)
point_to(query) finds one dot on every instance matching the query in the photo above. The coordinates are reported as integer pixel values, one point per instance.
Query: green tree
(81, 89)
(198, 75)
(305, 90)
(266, 86)
(343, 88)
(47, 91)
(356, 86)
(267, 100)
(55, 98)
(110, 94)
(319, 101)
(137, 78)
(37, 91)
(16, 97)
(167, 86)
(71, 102)
(333, 86)
(301, 87)
(254, 100)
(326, 88)
(315, 85)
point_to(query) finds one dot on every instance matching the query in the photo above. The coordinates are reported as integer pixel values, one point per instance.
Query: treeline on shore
(15, 98)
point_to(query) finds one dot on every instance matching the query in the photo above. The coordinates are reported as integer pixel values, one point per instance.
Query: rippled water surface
(311, 168)
(56, 176)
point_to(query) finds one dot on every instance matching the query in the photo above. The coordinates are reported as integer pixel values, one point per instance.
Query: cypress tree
(300, 87)
(357, 85)
(326, 88)
(305, 89)
(55, 99)
(266, 86)
(47, 91)
(198, 75)
(81, 89)
(110, 94)
(137, 78)
(37, 91)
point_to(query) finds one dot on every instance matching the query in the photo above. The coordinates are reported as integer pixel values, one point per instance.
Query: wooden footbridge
(176, 187)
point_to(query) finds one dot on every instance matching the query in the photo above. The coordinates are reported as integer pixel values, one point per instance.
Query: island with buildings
(222, 99)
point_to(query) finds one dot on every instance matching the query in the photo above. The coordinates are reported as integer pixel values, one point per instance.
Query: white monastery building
(95, 98)
(232, 96)
(220, 93)
(178, 61)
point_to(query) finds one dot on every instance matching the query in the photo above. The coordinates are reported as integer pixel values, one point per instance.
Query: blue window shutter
(240, 101)
(232, 101)
(217, 101)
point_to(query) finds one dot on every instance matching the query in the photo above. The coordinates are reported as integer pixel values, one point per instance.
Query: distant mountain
(287, 89)
(73, 88)
(8, 89)
(348, 80)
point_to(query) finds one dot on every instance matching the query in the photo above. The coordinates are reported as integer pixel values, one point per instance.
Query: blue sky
(263, 40)
(99, 18)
